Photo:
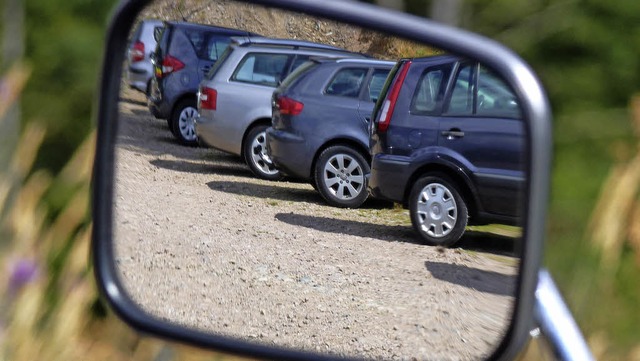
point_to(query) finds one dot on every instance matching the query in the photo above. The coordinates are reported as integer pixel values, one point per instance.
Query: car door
(343, 92)
(413, 131)
(481, 131)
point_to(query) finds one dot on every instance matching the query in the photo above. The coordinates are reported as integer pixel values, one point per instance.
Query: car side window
(347, 82)
(196, 37)
(495, 97)
(426, 97)
(261, 68)
(216, 46)
(378, 78)
(461, 101)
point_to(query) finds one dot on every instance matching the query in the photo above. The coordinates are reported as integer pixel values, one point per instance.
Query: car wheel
(255, 154)
(147, 92)
(340, 176)
(182, 122)
(438, 211)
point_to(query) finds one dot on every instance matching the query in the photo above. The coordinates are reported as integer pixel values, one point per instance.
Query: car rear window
(425, 99)
(216, 66)
(216, 45)
(207, 45)
(300, 70)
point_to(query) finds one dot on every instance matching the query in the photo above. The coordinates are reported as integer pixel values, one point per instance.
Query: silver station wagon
(234, 101)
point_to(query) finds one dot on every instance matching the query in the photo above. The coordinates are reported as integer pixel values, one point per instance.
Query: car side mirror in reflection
(265, 218)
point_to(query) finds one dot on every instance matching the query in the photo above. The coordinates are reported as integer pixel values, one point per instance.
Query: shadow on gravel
(472, 241)
(489, 242)
(267, 191)
(133, 101)
(477, 279)
(237, 169)
(277, 191)
(144, 112)
(352, 228)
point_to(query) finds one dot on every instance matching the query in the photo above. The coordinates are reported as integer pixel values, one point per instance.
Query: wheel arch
(460, 179)
(256, 122)
(183, 97)
(354, 144)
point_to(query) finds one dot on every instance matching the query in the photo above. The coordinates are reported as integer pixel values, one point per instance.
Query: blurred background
(585, 51)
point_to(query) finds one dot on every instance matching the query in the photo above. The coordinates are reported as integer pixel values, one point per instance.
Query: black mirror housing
(532, 100)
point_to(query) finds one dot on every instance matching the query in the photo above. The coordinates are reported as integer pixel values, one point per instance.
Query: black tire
(255, 154)
(438, 212)
(182, 122)
(170, 126)
(147, 92)
(340, 176)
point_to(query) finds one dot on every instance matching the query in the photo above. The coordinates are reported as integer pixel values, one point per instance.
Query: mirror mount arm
(556, 323)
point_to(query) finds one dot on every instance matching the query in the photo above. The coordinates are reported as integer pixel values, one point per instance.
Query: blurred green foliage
(64, 43)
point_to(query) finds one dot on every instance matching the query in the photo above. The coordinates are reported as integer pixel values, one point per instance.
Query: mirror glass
(202, 242)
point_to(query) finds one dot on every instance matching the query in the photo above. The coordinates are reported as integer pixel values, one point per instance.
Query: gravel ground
(202, 243)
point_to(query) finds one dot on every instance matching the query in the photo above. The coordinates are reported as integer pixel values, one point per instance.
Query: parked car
(320, 126)
(448, 142)
(143, 43)
(183, 56)
(235, 98)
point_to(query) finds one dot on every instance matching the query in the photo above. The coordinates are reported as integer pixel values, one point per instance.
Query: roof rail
(285, 43)
(366, 61)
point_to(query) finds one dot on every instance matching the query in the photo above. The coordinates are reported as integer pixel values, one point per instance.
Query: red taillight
(171, 64)
(289, 106)
(208, 98)
(136, 53)
(389, 103)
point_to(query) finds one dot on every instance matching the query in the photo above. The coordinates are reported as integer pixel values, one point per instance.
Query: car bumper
(159, 110)
(210, 132)
(138, 78)
(289, 153)
(388, 178)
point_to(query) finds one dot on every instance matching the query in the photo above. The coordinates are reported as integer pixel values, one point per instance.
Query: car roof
(152, 21)
(247, 41)
(443, 58)
(358, 61)
(184, 24)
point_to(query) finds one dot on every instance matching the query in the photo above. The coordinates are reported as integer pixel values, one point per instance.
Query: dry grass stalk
(614, 220)
(613, 216)
(12, 84)
(634, 232)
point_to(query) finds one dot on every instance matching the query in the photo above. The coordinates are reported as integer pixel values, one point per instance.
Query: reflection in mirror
(203, 240)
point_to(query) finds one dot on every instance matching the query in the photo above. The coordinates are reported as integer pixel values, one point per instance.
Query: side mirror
(189, 246)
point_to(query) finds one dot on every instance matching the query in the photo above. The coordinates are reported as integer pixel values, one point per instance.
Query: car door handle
(453, 133)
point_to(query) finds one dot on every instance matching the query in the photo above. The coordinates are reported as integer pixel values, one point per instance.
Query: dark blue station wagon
(447, 141)
(321, 116)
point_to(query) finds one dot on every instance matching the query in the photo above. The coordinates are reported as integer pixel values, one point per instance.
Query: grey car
(143, 43)
(319, 132)
(235, 99)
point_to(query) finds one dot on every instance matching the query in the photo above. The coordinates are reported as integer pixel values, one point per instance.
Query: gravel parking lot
(201, 242)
